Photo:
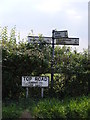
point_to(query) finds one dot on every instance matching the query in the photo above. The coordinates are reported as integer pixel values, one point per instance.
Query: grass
(49, 108)
(14, 109)
(11, 111)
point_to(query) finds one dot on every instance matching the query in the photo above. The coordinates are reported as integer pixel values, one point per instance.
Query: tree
(72, 71)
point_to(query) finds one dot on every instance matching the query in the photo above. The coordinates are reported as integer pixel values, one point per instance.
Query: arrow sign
(60, 34)
(36, 39)
(67, 41)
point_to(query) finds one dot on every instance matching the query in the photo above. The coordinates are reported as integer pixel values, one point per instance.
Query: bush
(49, 108)
(24, 59)
(11, 111)
(78, 109)
(67, 108)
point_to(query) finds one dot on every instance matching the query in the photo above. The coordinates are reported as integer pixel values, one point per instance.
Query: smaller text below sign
(35, 81)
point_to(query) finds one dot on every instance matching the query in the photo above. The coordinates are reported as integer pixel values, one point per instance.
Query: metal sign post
(56, 35)
(42, 89)
(52, 70)
(27, 92)
(61, 39)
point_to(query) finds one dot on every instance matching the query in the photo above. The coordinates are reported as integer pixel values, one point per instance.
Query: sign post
(35, 81)
(42, 89)
(61, 39)
(27, 92)
(52, 70)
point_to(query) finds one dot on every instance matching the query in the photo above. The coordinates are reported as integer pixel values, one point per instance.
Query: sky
(43, 16)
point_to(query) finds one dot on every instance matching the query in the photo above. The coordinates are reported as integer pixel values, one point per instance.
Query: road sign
(36, 39)
(67, 41)
(60, 34)
(35, 81)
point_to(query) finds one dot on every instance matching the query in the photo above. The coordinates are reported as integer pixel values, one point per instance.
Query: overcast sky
(42, 16)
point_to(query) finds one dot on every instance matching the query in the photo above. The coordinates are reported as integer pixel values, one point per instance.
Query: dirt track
(26, 115)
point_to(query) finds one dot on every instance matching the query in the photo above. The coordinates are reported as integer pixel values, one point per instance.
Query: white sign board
(36, 39)
(67, 41)
(35, 81)
(60, 34)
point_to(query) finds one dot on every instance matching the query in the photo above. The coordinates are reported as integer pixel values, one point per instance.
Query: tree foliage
(72, 71)
(21, 59)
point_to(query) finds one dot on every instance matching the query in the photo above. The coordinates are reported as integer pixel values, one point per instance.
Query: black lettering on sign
(41, 79)
(29, 82)
(35, 78)
(45, 79)
(26, 78)
(30, 78)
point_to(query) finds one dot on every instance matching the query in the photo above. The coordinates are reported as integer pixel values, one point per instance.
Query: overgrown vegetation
(67, 108)
(14, 108)
(71, 78)
(72, 70)
(49, 108)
